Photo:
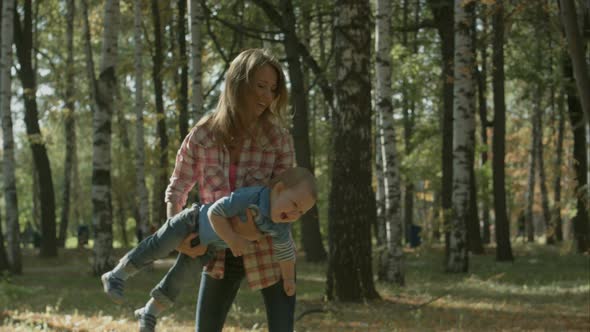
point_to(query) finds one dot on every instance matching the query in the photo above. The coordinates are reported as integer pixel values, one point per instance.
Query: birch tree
(8, 164)
(143, 206)
(391, 260)
(352, 202)
(463, 136)
(102, 214)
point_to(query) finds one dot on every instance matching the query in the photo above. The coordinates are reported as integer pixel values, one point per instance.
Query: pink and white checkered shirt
(200, 160)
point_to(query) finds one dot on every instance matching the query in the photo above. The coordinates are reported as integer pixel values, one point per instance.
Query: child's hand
(238, 245)
(289, 286)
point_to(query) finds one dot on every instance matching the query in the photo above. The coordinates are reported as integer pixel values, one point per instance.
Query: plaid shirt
(200, 160)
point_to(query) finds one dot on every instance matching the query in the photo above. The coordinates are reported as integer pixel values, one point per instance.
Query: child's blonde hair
(294, 176)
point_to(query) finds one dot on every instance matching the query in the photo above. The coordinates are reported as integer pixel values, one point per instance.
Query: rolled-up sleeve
(186, 171)
(283, 244)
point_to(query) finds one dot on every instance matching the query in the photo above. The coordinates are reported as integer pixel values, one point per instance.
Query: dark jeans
(217, 295)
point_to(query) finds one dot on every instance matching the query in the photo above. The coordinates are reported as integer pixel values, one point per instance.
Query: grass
(546, 289)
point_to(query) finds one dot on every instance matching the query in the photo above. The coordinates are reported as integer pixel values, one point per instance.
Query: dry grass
(546, 289)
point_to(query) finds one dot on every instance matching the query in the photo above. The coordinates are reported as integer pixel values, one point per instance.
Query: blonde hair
(229, 120)
(294, 176)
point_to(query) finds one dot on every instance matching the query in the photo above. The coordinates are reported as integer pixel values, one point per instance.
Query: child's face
(290, 203)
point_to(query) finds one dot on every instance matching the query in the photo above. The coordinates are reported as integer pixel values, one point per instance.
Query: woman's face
(262, 90)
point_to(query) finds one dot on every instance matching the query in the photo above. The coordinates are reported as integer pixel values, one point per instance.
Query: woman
(244, 142)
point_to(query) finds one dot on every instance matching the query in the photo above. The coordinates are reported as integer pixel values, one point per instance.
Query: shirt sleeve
(232, 205)
(185, 172)
(283, 244)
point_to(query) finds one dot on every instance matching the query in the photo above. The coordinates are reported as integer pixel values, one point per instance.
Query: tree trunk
(352, 201)
(14, 261)
(161, 180)
(474, 241)
(530, 193)
(70, 127)
(141, 188)
(443, 17)
(196, 17)
(392, 258)
(102, 210)
(503, 247)
(549, 230)
(464, 139)
(575, 44)
(310, 227)
(481, 77)
(23, 38)
(576, 116)
(556, 216)
(183, 87)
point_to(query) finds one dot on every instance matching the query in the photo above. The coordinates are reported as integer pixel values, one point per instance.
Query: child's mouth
(283, 215)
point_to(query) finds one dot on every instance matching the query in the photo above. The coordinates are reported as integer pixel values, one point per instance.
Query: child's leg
(155, 246)
(181, 274)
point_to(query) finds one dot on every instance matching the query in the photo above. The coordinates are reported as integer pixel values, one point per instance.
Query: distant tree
(196, 19)
(391, 258)
(557, 205)
(69, 124)
(463, 137)
(23, 39)
(580, 221)
(575, 44)
(285, 20)
(443, 17)
(143, 227)
(8, 163)
(102, 214)
(161, 170)
(503, 248)
(352, 202)
(182, 87)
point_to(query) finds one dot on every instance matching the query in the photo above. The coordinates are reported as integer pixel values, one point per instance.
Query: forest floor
(545, 289)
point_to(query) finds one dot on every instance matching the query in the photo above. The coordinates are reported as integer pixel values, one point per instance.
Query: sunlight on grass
(545, 289)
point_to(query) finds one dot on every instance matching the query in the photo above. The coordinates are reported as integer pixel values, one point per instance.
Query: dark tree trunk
(162, 169)
(503, 247)
(24, 49)
(352, 200)
(310, 228)
(576, 116)
(443, 16)
(183, 88)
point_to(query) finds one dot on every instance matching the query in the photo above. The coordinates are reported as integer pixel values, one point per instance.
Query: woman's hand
(247, 229)
(186, 248)
(289, 286)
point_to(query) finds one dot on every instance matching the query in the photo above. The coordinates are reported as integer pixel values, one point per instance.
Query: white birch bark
(101, 158)
(8, 171)
(142, 191)
(463, 137)
(196, 17)
(389, 157)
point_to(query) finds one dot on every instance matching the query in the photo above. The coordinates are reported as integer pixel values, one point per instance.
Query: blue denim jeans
(217, 295)
(159, 245)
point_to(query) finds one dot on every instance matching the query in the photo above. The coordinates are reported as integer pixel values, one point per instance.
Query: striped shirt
(201, 161)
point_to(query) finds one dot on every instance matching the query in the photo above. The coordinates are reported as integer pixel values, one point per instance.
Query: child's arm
(222, 227)
(288, 275)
